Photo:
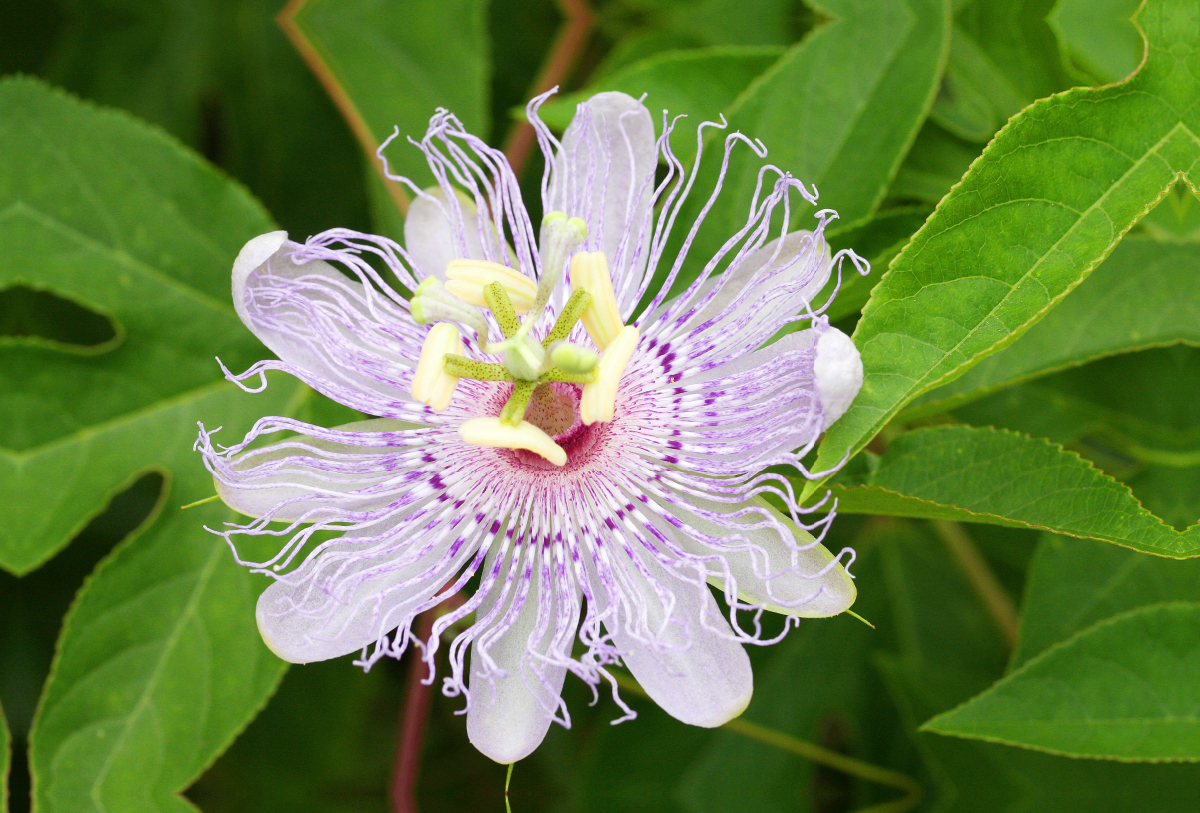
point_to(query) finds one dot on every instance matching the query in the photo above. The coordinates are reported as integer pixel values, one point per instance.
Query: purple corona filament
(649, 484)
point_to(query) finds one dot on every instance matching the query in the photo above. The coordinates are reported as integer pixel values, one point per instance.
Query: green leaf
(879, 240)
(1103, 412)
(1045, 203)
(948, 653)
(1075, 583)
(839, 110)
(816, 685)
(936, 162)
(159, 664)
(698, 83)
(1099, 36)
(5, 748)
(736, 22)
(1144, 294)
(119, 218)
(392, 63)
(1003, 478)
(1127, 688)
(1003, 55)
(221, 76)
(979, 777)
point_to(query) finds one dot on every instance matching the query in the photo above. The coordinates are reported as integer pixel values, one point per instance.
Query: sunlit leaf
(949, 652)
(1047, 201)
(159, 664)
(1003, 478)
(1144, 294)
(980, 777)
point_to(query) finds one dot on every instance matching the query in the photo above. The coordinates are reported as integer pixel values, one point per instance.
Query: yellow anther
(589, 270)
(599, 399)
(466, 279)
(431, 384)
(493, 432)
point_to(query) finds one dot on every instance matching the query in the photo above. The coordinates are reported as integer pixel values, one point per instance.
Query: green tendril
(576, 305)
(514, 411)
(462, 367)
(497, 299)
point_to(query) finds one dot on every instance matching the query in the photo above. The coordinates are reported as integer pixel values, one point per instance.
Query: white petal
(604, 174)
(304, 475)
(799, 342)
(699, 676)
(788, 582)
(436, 232)
(763, 274)
(509, 716)
(317, 612)
(316, 320)
(839, 373)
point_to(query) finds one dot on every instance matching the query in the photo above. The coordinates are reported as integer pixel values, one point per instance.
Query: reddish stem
(568, 46)
(415, 715)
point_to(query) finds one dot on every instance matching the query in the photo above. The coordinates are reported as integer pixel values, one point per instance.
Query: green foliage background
(1023, 485)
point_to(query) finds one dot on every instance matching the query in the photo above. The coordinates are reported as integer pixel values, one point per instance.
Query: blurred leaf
(5, 746)
(1075, 583)
(1127, 689)
(623, 768)
(839, 110)
(1003, 55)
(1142, 404)
(1002, 478)
(159, 664)
(949, 652)
(221, 76)
(107, 212)
(879, 240)
(636, 46)
(1047, 200)
(1132, 415)
(152, 58)
(934, 164)
(1099, 36)
(1176, 219)
(699, 83)
(736, 22)
(979, 777)
(392, 63)
(276, 129)
(817, 685)
(1144, 294)
(339, 753)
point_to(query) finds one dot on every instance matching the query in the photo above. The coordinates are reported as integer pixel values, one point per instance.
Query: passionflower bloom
(555, 437)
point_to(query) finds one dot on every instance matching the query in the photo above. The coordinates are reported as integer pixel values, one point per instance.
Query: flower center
(544, 401)
(553, 408)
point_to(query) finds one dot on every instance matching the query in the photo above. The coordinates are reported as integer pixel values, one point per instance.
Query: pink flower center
(554, 408)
